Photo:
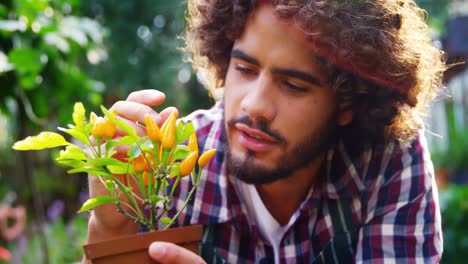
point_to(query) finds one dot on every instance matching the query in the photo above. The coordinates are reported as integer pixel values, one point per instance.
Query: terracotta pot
(134, 248)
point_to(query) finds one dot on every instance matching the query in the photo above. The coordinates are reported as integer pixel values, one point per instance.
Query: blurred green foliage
(455, 157)
(65, 240)
(437, 12)
(43, 48)
(454, 207)
(144, 51)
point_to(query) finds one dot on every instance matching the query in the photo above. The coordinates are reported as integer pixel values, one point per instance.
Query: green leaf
(183, 131)
(26, 59)
(134, 151)
(77, 133)
(126, 140)
(106, 162)
(92, 170)
(79, 114)
(96, 201)
(42, 141)
(72, 163)
(166, 220)
(28, 80)
(72, 152)
(118, 169)
(120, 123)
(110, 186)
(181, 152)
(175, 171)
(155, 198)
(115, 166)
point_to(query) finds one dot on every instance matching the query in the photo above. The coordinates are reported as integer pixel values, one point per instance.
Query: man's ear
(345, 118)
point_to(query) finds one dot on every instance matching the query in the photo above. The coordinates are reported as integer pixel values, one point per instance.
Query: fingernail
(157, 250)
(156, 118)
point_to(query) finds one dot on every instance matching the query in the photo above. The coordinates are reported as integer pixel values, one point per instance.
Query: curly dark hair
(379, 55)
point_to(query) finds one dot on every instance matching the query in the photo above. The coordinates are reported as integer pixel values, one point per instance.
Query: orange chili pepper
(187, 165)
(152, 129)
(168, 131)
(139, 164)
(206, 157)
(193, 143)
(103, 127)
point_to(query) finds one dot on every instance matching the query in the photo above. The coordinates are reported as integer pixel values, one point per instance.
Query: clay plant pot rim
(139, 241)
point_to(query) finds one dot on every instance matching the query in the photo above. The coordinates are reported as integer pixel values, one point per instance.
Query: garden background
(57, 52)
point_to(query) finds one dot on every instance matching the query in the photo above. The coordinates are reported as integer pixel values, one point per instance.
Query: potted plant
(155, 164)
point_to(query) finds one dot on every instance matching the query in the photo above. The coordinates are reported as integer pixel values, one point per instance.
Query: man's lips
(254, 139)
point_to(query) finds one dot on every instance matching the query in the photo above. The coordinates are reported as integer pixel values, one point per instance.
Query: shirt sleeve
(401, 215)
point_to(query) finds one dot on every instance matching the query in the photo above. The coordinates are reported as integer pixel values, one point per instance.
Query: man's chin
(251, 171)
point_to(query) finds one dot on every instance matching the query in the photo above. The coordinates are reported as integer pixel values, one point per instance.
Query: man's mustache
(259, 125)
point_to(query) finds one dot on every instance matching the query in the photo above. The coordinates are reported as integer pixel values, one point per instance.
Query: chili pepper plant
(148, 174)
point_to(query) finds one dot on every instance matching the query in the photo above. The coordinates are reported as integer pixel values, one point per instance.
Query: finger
(148, 97)
(139, 129)
(164, 252)
(135, 111)
(164, 114)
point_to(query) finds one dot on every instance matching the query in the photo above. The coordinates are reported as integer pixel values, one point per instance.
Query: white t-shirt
(269, 227)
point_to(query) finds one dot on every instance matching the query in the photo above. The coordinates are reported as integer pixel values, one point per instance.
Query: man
(320, 154)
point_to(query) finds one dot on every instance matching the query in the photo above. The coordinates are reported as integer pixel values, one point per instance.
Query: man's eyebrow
(235, 53)
(306, 77)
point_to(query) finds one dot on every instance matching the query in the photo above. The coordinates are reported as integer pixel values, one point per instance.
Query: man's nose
(258, 101)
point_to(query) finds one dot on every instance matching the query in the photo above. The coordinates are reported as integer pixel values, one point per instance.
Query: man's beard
(300, 156)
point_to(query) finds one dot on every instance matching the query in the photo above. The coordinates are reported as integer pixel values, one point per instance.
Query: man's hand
(138, 104)
(164, 252)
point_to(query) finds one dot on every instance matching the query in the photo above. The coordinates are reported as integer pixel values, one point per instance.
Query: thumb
(164, 252)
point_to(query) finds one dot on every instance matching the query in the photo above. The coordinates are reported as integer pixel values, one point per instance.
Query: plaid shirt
(390, 188)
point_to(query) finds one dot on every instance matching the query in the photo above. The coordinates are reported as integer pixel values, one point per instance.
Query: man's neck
(283, 197)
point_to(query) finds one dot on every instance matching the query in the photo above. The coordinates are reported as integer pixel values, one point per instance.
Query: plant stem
(124, 212)
(183, 207)
(129, 197)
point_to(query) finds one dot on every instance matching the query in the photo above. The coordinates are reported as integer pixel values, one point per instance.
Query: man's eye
(244, 70)
(295, 87)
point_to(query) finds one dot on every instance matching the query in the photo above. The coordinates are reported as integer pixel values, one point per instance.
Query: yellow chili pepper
(168, 131)
(206, 157)
(103, 127)
(152, 129)
(187, 165)
(139, 164)
(193, 143)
